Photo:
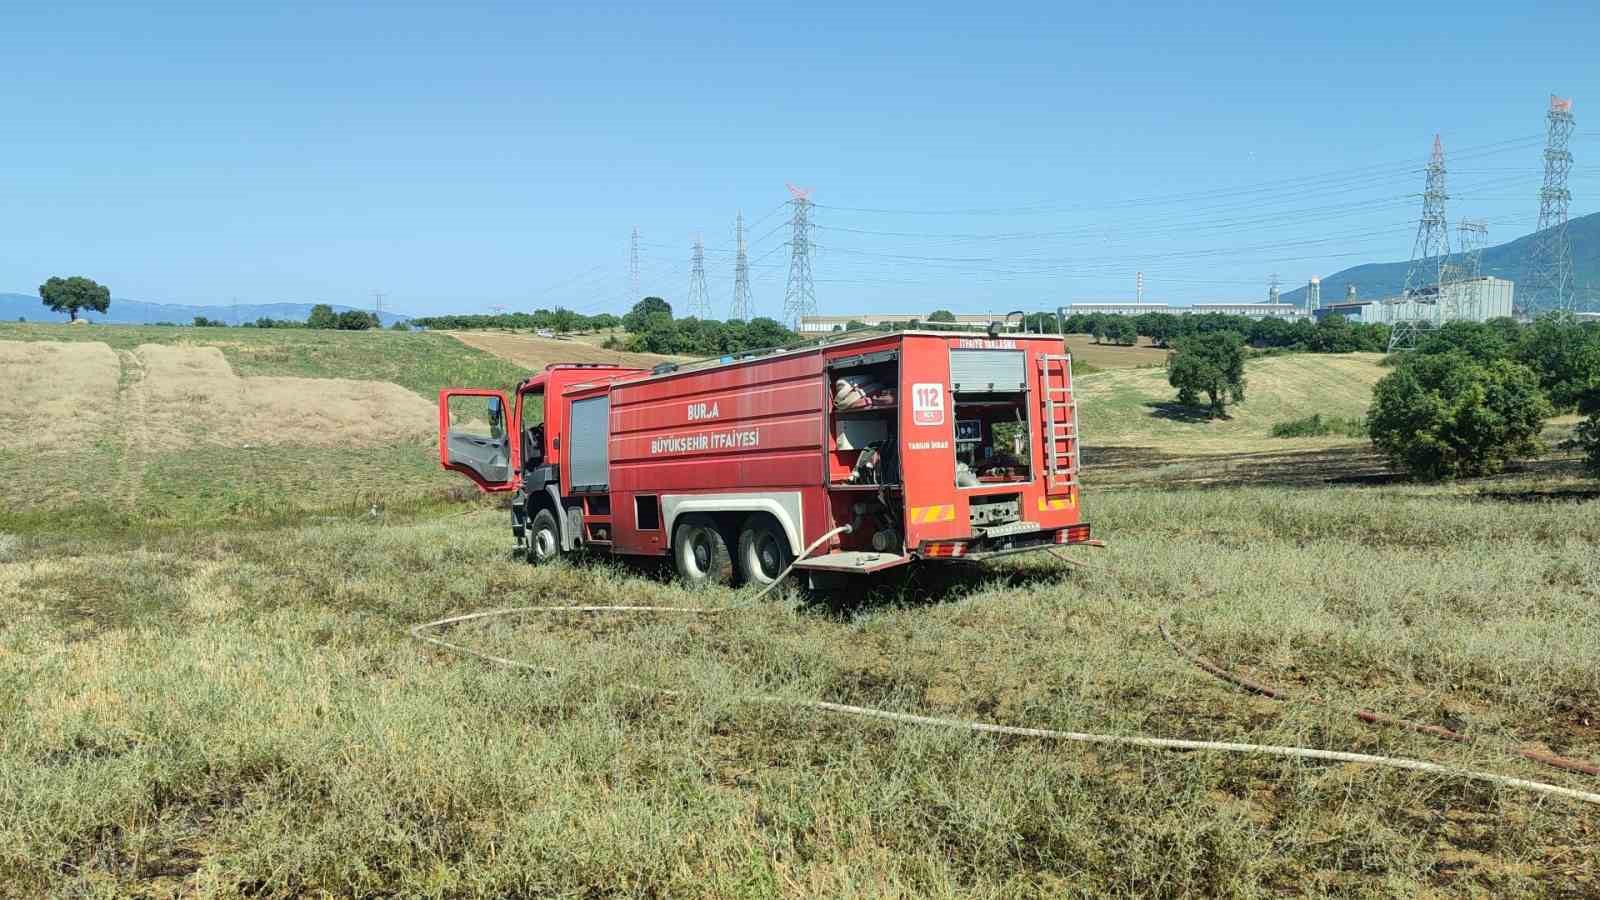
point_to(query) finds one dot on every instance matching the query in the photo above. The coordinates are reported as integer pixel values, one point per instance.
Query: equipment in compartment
(861, 392)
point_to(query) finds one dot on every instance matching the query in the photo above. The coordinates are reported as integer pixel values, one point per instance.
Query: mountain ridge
(125, 311)
(1510, 260)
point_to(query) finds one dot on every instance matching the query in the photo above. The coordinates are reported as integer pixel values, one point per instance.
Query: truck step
(857, 561)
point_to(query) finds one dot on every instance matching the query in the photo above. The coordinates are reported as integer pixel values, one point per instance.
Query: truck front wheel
(700, 552)
(763, 550)
(544, 537)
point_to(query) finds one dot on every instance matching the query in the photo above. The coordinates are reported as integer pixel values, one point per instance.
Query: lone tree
(355, 320)
(322, 316)
(941, 315)
(69, 295)
(1443, 415)
(638, 318)
(1210, 364)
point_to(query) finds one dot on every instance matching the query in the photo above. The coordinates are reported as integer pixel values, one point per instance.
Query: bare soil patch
(536, 352)
(55, 394)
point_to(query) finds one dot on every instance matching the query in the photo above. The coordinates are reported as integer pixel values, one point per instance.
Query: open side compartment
(862, 426)
(862, 450)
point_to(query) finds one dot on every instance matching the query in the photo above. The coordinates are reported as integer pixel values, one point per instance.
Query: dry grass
(534, 353)
(195, 397)
(215, 714)
(55, 395)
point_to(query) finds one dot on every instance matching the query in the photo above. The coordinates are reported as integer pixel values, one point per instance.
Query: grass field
(1110, 356)
(1136, 407)
(534, 353)
(218, 703)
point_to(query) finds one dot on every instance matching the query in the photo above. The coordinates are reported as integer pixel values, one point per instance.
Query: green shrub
(1315, 425)
(1566, 355)
(1588, 432)
(1443, 415)
(1589, 441)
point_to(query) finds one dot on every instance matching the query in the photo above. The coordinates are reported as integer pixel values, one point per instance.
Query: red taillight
(944, 549)
(1073, 534)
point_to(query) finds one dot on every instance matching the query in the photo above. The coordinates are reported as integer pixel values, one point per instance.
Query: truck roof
(821, 343)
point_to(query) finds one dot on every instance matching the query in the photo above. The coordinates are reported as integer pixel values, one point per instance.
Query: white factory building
(1114, 308)
(1131, 308)
(1474, 300)
(824, 324)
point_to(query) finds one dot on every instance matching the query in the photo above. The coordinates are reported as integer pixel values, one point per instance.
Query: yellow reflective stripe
(926, 515)
(1068, 502)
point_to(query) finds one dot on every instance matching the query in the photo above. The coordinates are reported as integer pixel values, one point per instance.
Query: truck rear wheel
(700, 552)
(544, 537)
(763, 550)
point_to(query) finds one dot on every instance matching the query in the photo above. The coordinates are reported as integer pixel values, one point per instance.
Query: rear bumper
(979, 549)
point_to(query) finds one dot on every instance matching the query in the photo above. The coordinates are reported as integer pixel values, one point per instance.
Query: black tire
(544, 537)
(763, 551)
(700, 553)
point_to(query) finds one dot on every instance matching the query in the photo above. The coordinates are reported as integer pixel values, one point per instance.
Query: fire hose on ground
(422, 633)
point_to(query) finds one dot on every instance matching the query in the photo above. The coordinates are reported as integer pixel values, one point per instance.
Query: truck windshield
(533, 428)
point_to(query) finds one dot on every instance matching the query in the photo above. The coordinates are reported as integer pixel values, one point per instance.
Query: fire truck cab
(929, 445)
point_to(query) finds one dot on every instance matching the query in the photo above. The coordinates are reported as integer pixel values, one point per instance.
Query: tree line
(558, 320)
(652, 328)
(1471, 398)
(1331, 334)
(322, 317)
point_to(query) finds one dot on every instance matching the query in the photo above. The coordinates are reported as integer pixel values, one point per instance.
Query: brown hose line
(1366, 715)
(1376, 718)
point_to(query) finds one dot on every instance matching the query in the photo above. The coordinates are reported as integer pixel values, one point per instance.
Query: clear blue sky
(459, 156)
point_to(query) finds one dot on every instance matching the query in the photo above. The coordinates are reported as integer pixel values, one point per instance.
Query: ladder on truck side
(1061, 452)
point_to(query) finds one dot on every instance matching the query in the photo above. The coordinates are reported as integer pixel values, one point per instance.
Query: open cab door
(477, 437)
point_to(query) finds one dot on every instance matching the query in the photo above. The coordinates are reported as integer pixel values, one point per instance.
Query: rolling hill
(138, 312)
(1133, 407)
(1510, 260)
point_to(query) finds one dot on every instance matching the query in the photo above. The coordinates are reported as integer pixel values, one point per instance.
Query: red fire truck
(930, 445)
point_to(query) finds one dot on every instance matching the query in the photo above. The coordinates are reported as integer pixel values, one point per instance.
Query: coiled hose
(421, 633)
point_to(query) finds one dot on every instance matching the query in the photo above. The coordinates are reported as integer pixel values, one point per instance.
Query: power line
(1358, 172)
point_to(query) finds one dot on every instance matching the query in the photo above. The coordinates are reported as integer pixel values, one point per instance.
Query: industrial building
(1470, 300)
(1366, 312)
(1135, 308)
(1473, 300)
(825, 324)
(1115, 308)
(1251, 310)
